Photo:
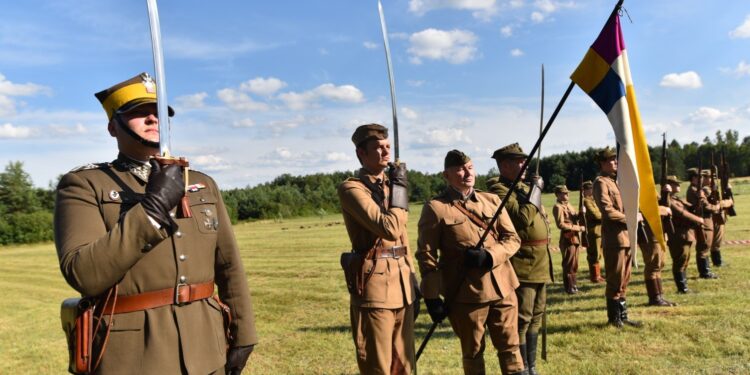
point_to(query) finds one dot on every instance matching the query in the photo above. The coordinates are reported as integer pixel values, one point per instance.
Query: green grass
(301, 309)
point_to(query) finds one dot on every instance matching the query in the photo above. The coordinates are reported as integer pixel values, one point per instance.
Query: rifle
(726, 192)
(664, 199)
(582, 217)
(165, 157)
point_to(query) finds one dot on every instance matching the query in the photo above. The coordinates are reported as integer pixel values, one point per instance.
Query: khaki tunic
(104, 237)
(593, 231)
(705, 209)
(565, 217)
(476, 297)
(653, 253)
(682, 239)
(381, 318)
(617, 255)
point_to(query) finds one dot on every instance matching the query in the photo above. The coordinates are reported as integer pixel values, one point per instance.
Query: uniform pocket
(376, 280)
(205, 213)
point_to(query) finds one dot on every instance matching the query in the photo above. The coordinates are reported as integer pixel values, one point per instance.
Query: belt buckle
(177, 300)
(393, 253)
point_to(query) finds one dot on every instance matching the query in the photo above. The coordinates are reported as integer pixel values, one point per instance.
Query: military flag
(604, 74)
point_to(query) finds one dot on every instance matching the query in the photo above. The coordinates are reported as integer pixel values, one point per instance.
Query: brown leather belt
(181, 294)
(390, 252)
(535, 242)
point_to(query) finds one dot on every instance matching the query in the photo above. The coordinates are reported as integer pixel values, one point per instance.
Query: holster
(571, 236)
(226, 313)
(352, 263)
(77, 316)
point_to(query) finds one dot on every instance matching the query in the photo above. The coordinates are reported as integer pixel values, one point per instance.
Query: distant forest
(26, 211)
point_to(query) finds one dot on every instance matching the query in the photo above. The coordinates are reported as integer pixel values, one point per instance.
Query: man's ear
(112, 127)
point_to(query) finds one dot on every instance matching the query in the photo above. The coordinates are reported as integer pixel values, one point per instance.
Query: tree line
(26, 211)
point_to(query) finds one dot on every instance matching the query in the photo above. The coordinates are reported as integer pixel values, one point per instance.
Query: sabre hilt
(184, 210)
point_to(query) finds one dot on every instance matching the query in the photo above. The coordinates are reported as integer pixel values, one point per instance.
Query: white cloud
(506, 31)
(515, 52)
(708, 115)
(370, 45)
(263, 86)
(742, 69)
(742, 31)
(9, 88)
(537, 17)
(210, 163)
(7, 106)
(329, 91)
(8, 131)
(455, 46)
(545, 8)
(482, 9)
(687, 80)
(442, 137)
(337, 156)
(415, 83)
(279, 126)
(240, 101)
(63, 130)
(409, 113)
(181, 47)
(192, 101)
(285, 156)
(243, 123)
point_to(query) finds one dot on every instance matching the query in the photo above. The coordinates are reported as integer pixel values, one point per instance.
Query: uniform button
(183, 257)
(183, 279)
(172, 214)
(148, 247)
(178, 234)
(203, 199)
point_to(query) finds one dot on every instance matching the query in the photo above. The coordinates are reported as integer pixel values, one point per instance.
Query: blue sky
(269, 87)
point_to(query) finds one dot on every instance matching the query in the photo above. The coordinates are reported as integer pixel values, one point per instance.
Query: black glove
(165, 188)
(476, 258)
(399, 185)
(437, 309)
(535, 196)
(237, 359)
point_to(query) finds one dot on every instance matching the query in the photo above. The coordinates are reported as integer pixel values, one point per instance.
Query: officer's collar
(612, 175)
(378, 180)
(139, 169)
(455, 195)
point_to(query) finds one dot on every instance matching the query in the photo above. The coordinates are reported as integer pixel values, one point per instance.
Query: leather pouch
(77, 316)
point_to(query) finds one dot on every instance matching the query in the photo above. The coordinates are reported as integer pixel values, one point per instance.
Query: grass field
(301, 309)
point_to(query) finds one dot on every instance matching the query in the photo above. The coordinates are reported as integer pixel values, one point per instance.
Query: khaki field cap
(706, 173)
(511, 151)
(587, 184)
(561, 189)
(692, 172)
(673, 180)
(369, 131)
(605, 154)
(129, 94)
(455, 158)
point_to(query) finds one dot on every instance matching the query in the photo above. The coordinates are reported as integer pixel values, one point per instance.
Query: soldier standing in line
(697, 196)
(384, 292)
(593, 233)
(719, 220)
(477, 283)
(653, 260)
(682, 239)
(566, 218)
(116, 227)
(618, 258)
(533, 261)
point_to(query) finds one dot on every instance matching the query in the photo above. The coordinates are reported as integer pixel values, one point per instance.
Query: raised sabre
(165, 141)
(390, 78)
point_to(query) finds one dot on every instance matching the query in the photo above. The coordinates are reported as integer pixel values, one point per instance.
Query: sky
(263, 88)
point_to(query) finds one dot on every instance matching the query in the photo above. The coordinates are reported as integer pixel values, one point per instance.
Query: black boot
(613, 313)
(654, 293)
(704, 269)
(525, 353)
(660, 289)
(716, 258)
(531, 340)
(680, 279)
(623, 307)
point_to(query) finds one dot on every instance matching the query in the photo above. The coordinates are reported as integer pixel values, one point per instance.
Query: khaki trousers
(704, 242)
(532, 298)
(680, 253)
(501, 317)
(384, 339)
(594, 251)
(618, 265)
(719, 230)
(653, 260)
(569, 259)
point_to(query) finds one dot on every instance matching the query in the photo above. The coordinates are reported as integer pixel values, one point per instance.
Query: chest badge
(195, 187)
(114, 195)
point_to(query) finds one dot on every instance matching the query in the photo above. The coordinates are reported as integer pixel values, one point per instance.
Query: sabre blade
(390, 79)
(541, 122)
(165, 141)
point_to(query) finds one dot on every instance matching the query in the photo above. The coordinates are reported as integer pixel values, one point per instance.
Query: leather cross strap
(475, 219)
(182, 293)
(535, 242)
(390, 252)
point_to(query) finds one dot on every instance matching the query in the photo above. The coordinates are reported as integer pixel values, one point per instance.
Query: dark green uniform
(532, 262)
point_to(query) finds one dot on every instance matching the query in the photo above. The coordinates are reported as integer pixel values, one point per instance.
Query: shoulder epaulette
(89, 166)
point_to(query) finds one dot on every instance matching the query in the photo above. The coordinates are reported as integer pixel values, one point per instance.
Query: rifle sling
(476, 220)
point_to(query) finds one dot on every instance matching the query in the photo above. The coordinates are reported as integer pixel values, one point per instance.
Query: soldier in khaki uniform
(653, 260)
(477, 283)
(593, 233)
(566, 218)
(382, 308)
(697, 196)
(680, 241)
(618, 258)
(533, 261)
(718, 218)
(115, 226)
